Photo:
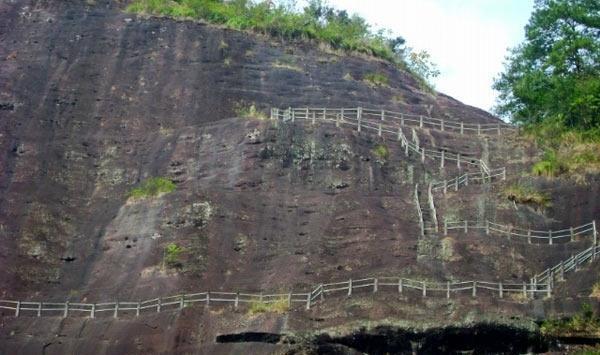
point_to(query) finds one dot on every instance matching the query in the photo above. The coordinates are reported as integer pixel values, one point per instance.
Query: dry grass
(249, 111)
(279, 306)
(527, 195)
(596, 290)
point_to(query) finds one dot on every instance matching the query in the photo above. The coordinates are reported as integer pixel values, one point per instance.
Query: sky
(467, 39)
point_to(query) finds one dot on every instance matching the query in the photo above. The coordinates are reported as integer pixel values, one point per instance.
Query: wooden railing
(432, 208)
(546, 237)
(419, 211)
(470, 178)
(404, 119)
(355, 118)
(557, 272)
(306, 299)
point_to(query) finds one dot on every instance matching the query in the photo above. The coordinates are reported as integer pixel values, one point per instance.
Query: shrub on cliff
(152, 187)
(316, 21)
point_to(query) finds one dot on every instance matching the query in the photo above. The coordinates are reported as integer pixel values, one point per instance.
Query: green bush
(526, 194)
(381, 151)
(568, 152)
(173, 255)
(585, 322)
(249, 111)
(317, 21)
(153, 187)
(376, 79)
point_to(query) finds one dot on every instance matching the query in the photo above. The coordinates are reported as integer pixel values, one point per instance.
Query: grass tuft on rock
(249, 111)
(279, 306)
(376, 79)
(381, 152)
(173, 255)
(152, 187)
(584, 323)
(528, 195)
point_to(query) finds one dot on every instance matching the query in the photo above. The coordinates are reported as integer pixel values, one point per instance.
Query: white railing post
(158, 305)
(66, 312)
(458, 162)
(93, 311)
(349, 287)
(359, 117)
(383, 115)
(116, 312)
(595, 231)
(18, 309)
(447, 289)
(500, 290)
(474, 288)
(420, 121)
(308, 301)
(423, 284)
(236, 302)
(462, 128)
(400, 285)
(39, 310)
(375, 285)
(479, 129)
(443, 158)
(138, 306)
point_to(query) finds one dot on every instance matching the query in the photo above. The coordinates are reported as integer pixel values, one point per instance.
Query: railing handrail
(417, 119)
(530, 234)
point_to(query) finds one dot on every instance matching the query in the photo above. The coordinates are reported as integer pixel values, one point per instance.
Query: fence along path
(409, 119)
(469, 178)
(307, 299)
(354, 117)
(540, 237)
(542, 283)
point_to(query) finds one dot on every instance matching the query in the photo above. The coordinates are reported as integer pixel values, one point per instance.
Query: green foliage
(420, 64)
(526, 194)
(585, 322)
(279, 306)
(381, 151)
(316, 21)
(173, 255)
(153, 187)
(249, 111)
(568, 152)
(588, 350)
(376, 79)
(554, 75)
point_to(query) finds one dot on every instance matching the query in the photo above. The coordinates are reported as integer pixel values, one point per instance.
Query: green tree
(553, 77)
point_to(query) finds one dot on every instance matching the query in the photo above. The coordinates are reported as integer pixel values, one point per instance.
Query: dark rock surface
(93, 101)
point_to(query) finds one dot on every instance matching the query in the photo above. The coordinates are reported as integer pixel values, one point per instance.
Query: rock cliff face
(93, 101)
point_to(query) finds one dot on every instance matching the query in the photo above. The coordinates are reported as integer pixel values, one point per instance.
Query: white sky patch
(467, 39)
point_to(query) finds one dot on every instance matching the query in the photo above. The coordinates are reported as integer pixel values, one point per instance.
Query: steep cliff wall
(93, 101)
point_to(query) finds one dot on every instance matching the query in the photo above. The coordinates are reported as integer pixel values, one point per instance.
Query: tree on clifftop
(554, 75)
